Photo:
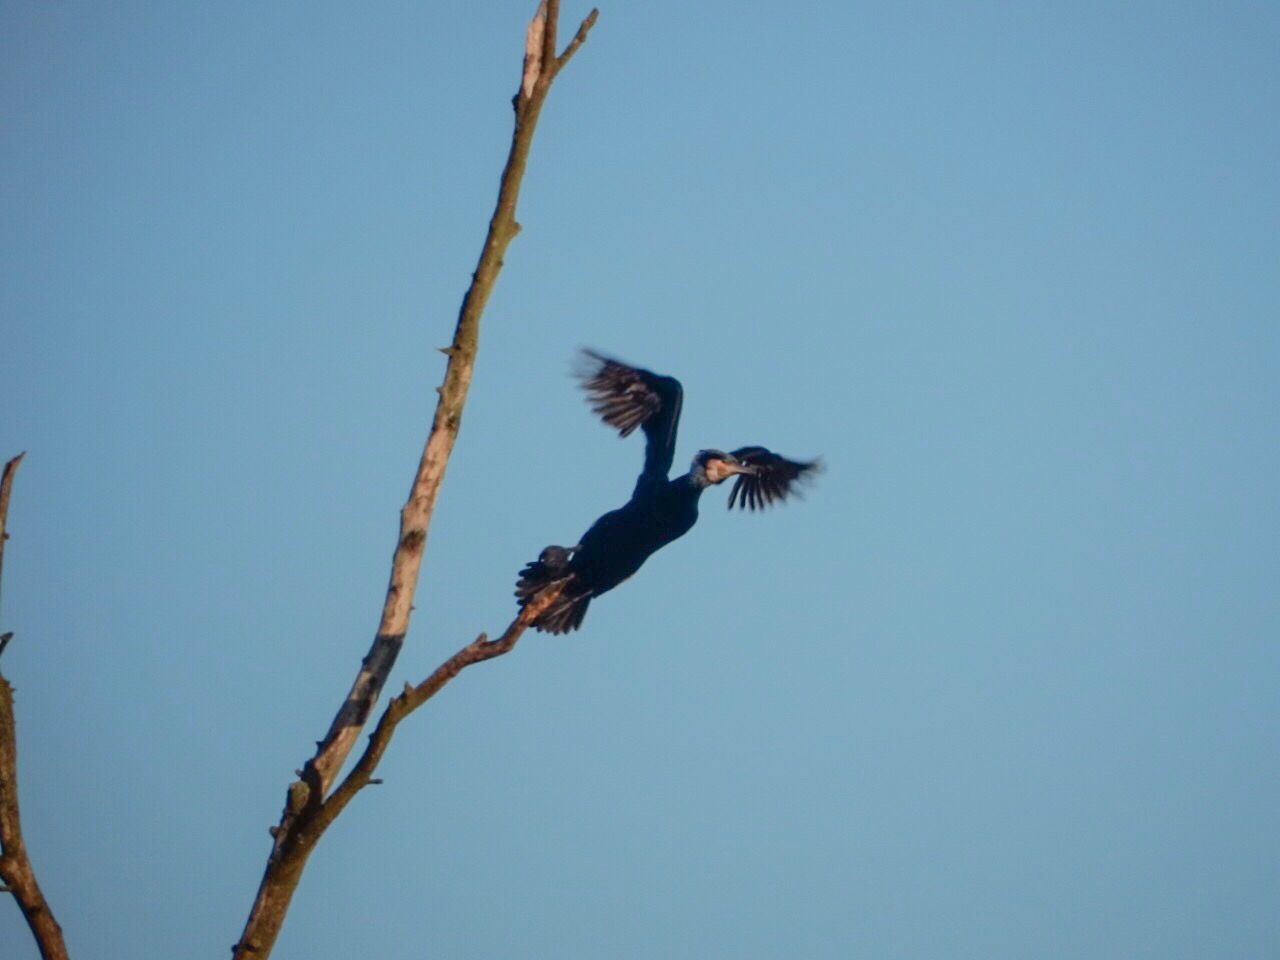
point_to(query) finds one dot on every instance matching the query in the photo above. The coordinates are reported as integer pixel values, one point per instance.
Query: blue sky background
(1003, 686)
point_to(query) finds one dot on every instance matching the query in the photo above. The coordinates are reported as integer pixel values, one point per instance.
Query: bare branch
(16, 873)
(312, 817)
(415, 517)
(295, 834)
(477, 651)
(578, 40)
(6, 485)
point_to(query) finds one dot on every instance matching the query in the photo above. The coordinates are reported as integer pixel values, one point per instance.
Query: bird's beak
(737, 466)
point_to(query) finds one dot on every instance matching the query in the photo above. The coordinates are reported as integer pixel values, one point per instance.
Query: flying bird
(660, 509)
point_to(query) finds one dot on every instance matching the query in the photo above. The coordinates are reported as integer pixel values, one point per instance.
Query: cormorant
(660, 510)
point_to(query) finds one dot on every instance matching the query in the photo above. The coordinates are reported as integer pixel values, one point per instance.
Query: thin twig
(578, 40)
(16, 873)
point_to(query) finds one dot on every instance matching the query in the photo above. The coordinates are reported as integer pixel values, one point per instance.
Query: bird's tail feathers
(565, 614)
(552, 568)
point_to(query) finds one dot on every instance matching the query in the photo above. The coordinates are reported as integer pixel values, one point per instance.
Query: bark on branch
(301, 822)
(16, 872)
(477, 651)
(311, 819)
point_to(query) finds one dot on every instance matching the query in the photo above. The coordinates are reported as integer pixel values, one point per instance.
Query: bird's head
(715, 466)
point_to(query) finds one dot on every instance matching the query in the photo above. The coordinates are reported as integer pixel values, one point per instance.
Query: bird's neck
(694, 482)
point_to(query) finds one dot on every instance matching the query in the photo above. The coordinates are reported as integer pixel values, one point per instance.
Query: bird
(660, 510)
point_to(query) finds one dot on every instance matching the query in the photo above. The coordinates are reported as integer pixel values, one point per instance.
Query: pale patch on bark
(533, 50)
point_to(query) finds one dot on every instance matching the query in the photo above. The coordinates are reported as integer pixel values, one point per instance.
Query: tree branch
(6, 485)
(578, 40)
(477, 651)
(311, 819)
(415, 517)
(16, 873)
(296, 832)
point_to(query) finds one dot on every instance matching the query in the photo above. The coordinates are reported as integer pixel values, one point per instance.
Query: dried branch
(299, 828)
(477, 651)
(415, 517)
(311, 819)
(6, 485)
(16, 872)
(578, 40)
(15, 865)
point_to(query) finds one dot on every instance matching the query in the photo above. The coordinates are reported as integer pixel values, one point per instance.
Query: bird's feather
(775, 478)
(627, 397)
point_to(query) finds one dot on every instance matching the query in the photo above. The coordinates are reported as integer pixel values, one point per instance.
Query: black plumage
(660, 510)
(773, 479)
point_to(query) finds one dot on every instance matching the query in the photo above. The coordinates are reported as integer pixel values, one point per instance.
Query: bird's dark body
(660, 510)
(618, 544)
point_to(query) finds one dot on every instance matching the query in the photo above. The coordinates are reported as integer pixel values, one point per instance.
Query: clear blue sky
(1003, 686)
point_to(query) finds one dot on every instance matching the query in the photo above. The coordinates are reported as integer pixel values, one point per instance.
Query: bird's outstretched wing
(627, 397)
(775, 478)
